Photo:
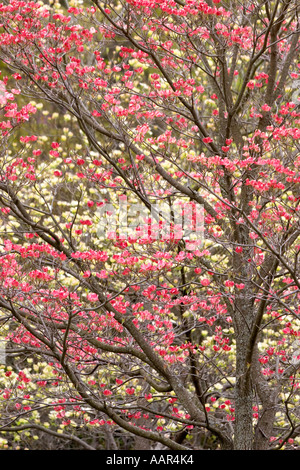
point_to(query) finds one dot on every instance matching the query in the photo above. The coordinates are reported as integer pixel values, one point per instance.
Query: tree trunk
(243, 439)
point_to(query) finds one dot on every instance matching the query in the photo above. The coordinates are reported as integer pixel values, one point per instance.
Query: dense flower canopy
(149, 193)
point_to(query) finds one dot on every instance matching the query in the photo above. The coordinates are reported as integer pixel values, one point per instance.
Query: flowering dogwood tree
(147, 334)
